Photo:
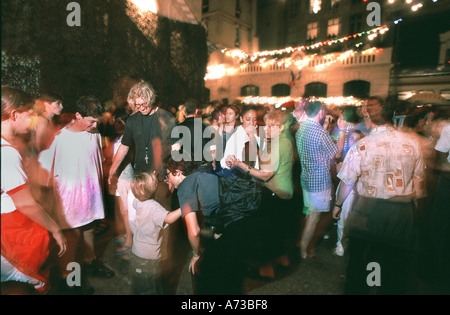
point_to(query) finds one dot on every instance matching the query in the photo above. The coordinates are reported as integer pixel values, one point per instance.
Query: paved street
(298, 279)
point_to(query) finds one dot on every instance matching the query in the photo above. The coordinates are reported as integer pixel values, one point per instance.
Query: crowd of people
(248, 183)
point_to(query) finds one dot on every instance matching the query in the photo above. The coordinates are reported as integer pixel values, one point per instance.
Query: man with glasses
(142, 133)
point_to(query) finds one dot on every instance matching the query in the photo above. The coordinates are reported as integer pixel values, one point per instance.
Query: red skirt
(25, 244)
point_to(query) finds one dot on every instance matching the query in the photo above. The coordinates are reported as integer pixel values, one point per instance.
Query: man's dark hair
(350, 115)
(186, 167)
(312, 108)
(89, 106)
(191, 106)
(51, 97)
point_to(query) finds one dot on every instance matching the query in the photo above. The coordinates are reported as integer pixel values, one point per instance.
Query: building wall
(222, 24)
(376, 72)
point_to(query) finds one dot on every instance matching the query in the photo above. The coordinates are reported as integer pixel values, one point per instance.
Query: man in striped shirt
(316, 149)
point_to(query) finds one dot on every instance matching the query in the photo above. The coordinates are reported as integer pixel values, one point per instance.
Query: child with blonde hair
(149, 221)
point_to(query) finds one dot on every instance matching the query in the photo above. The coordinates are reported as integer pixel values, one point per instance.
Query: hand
(231, 161)
(61, 241)
(342, 124)
(337, 212)
(176, 147)
(193, 267)
(112, 180)
(328, 120)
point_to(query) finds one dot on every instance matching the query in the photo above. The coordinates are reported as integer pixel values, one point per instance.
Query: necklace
(146, 134)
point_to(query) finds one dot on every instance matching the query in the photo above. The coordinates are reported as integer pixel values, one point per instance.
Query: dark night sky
(419, 39)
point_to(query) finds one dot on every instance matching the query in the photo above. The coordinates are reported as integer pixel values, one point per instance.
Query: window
(250, 90)
(205, 6)
(357, 88)
(355, 23)
(238, 9)
(293, 7)
(237, 42)
(315, 6)
(333, 28)
(317, 89)
(281, 90)
(312, 31)
(335, 4)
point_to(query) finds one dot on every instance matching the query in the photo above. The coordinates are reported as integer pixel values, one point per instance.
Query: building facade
(322, 48)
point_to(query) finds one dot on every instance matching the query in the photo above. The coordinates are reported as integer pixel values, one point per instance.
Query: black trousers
(382, 232)
(394, 268)
(223, 262)
(280, 219)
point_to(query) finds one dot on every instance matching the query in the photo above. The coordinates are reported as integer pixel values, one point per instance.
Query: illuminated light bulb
(409, 1)
(416, 7)
(391, 1)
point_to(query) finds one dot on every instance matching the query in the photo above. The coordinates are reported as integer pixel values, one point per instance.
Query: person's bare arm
(25, 203)
(193, 233)
(117, 160)
(342, 194)
(172, 216)
(263, 175)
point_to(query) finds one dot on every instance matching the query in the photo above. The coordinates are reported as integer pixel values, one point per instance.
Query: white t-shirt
(235, 146)
(149, 222)
(13, 175)
(443, 144)
(78, 172)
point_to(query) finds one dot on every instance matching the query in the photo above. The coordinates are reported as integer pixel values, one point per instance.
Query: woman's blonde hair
(143, 185)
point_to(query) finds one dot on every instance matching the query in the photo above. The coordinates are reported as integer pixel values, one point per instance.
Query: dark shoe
(312, 262)
(97, 269)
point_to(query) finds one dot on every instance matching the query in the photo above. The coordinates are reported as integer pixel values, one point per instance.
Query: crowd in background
(117, 159)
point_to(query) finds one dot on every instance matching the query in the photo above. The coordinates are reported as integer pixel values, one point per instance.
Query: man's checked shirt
(315, 149)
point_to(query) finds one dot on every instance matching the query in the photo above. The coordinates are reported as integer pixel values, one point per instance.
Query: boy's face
(88, 123)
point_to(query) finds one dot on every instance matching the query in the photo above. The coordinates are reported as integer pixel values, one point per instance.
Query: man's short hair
(313, 108)
(191, 106)
(186, 167)
(89, 106)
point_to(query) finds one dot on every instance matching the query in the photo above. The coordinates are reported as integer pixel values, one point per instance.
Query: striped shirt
(315, 149)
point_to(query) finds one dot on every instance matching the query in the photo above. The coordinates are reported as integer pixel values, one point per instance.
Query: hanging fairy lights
(289, 50)
(279, 102)
(284, 57)
(318, 62)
